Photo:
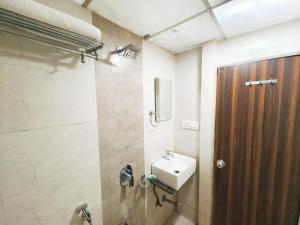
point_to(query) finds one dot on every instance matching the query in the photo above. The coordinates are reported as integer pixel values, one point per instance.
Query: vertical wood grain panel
(276, 101)
(258, 136)
(257, 142)
(247, 169)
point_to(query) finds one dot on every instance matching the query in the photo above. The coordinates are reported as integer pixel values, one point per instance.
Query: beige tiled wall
(49, 153)
(189, 199)
(120, 122)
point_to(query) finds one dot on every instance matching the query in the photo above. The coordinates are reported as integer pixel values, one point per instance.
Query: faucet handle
(126, 176)
(170, 153)
(85, 213)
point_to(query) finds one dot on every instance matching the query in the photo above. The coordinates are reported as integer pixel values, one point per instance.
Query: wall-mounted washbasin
(175, 170)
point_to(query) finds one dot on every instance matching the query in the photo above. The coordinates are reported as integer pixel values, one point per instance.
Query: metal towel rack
(14, 24)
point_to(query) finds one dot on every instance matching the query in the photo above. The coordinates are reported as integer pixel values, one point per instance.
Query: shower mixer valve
(126, 176)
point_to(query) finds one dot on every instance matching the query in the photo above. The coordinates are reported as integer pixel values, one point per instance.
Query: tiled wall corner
(120, 122)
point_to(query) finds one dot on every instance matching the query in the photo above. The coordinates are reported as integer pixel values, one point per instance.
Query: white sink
(175, 171)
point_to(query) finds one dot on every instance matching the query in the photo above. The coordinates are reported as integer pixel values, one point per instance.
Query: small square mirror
(163, 99)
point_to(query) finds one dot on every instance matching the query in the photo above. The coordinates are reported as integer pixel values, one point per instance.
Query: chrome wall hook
(261, 82)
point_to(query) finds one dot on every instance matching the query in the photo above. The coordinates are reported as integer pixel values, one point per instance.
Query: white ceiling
(178, 25)
(189, 34)
(146, 16)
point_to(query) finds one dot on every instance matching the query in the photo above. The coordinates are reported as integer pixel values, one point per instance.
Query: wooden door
(258, 137)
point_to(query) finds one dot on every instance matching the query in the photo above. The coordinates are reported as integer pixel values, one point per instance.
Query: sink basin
(175, 171)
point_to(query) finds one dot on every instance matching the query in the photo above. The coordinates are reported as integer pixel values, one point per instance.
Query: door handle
(220, 163)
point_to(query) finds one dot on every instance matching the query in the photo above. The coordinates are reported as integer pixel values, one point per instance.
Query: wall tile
(61, 165)
(52, 200)
(21, 52)
(157, 215)
(120, 121)
(189, 213)
(73, 218)
(49, 151)
(32, 158)
(2, 221)
(189, 192)
(31, 98)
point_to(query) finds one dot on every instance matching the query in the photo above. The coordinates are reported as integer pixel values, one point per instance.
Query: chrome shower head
(130, 51)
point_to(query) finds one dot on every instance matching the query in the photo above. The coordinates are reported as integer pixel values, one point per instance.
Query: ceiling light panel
(242, 16)
(145, 16)
(189, 34)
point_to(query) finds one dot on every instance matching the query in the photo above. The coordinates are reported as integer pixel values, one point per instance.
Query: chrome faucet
(169, 154)
(85, 214)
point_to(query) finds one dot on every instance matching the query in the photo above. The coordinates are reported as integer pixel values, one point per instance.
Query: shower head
(122, 56)
(130, 51)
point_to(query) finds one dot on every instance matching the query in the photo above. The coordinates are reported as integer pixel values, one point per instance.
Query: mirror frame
(157, 100)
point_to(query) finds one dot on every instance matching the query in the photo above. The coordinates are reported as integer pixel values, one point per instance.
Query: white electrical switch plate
(190, 125)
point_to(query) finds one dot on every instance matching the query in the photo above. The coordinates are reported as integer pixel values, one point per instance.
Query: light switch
(190, 125)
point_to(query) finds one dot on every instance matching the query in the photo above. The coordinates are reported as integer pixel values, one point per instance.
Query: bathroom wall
(276, 41)
(187, 102)
(49, 152)
(120, 122)
(157, 62)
